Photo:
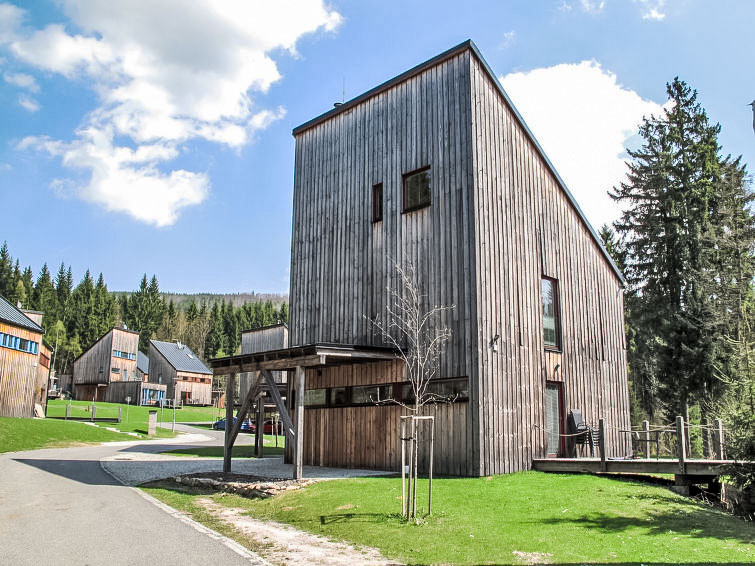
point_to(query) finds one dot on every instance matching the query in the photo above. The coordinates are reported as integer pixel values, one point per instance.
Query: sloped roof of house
(12, 315)
(437, 60)
(180, 357)
(142, 362)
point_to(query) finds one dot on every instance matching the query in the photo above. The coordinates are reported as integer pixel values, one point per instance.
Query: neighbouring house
(436, 168)
(107, 371)
(175, 366)
(43, 368)
(23, 370)
(142, 366)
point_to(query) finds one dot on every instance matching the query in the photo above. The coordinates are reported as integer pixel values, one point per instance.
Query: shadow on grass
(358, 518)
(693, 522)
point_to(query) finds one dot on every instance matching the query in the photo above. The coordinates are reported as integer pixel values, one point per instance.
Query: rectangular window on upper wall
(377, 202)
(551, 315)
(417, 189)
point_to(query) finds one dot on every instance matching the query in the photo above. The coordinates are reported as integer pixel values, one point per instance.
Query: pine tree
(45, 297)
(6, 272)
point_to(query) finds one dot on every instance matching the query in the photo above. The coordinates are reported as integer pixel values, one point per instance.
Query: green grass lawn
(29, 434)
(573, 519)
(134, 418)
(242, 451)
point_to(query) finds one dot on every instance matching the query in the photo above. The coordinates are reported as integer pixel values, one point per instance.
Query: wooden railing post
(718, 440)
(602, 444)
(94, 411)
(120, 413)
(68, 411)
(646, 437)
(681, 445)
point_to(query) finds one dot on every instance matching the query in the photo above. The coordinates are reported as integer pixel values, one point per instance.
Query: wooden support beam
(229, 391)
(646, 438)
(241, 415)
(299, 440)
(276, 395)
(259, 433)
(718, 440)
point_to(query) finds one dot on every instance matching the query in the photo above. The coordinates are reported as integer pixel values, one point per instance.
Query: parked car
(246, 426)
(270, 427)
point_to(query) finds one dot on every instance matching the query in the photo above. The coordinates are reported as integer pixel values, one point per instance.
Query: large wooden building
(24, 362)
(436, 168)
(175, 366)
(108, 372)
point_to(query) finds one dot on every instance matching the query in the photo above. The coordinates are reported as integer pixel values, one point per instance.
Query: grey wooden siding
(498, 221)
(161, 371)
(86, 368)
(341, 262)
(260, 340)
(525, 227)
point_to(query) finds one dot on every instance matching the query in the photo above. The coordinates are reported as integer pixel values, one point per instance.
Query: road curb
(239, 549)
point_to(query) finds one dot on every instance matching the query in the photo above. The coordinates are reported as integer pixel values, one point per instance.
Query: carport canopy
(295, 358)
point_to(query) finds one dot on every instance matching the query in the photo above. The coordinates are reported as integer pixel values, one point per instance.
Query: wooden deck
(705, 468)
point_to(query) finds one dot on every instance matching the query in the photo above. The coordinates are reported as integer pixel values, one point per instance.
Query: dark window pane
(550, 313)
(315, 397)
(377, 202)
(339, 396)
(416, 190)
(449, 390)
(371, 394)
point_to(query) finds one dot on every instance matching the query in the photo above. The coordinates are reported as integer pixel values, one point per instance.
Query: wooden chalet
(44, 372)
(107, 371)
(436, 167)
(24, 362)
(175, 366)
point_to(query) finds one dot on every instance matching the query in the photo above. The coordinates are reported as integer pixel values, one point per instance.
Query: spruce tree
(665, 230)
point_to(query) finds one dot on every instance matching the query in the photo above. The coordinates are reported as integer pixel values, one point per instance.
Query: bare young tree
(416, 330)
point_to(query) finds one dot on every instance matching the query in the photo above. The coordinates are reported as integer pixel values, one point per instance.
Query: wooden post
(681, 445)
(259, 432)
(430, 486)
(120, 413)
(646, 437)
(602, 444)
(68, 410)
(299, 439)
(229, 393)
(718, 440)
(94, 411)
(402, 434)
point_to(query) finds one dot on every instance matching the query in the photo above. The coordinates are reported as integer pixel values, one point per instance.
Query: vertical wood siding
(201, 391)
(368, 437)
(261, 340)
(86, 368)
(342, 263)
(19, 373)
(526, 228)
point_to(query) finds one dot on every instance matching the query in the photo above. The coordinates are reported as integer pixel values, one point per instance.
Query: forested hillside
(75, 316)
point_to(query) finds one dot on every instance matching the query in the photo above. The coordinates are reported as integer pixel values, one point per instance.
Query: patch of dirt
(533, 557)
(284, 544)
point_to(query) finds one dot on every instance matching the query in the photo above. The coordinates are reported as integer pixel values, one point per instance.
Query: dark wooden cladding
(499, 220)
(19, 375)
(260, 340)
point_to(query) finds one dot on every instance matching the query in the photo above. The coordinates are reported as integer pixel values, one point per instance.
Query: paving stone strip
(240, 484)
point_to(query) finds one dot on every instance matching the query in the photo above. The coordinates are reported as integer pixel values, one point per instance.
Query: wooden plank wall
(261, 340)
(86, 368)
(43, 374)
(368, 437)
(201, 392)
(342, 263)
(125, 341)
(526, 228)
(18, 375)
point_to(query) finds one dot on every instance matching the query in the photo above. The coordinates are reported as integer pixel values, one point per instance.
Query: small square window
(377, 202)
(417, 189)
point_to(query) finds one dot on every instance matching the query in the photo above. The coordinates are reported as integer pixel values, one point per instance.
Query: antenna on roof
(18, 304)
(180, 346)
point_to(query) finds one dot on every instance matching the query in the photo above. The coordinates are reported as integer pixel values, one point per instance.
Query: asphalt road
(58, 506)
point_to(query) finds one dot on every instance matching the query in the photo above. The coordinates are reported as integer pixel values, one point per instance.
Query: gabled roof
(268, 327)
(180, 357)
(437, 60)
(13, 316)
(142, 362)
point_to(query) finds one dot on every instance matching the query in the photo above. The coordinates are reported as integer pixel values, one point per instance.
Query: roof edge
(268, 327)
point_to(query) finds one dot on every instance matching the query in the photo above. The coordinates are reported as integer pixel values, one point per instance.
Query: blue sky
(151, 137)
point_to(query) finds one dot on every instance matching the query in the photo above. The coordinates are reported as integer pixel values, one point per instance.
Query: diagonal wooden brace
(275, 394)
(241, 415)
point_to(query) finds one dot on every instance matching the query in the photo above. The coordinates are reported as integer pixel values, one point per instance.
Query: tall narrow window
(417, 189)
(551, 322)
(377, 202)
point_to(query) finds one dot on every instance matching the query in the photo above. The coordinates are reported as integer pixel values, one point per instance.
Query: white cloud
(28, 103)
(583, 119)
(652, 9)
(22, 80)
(509, 38)
(593, 6)
(166, 73)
